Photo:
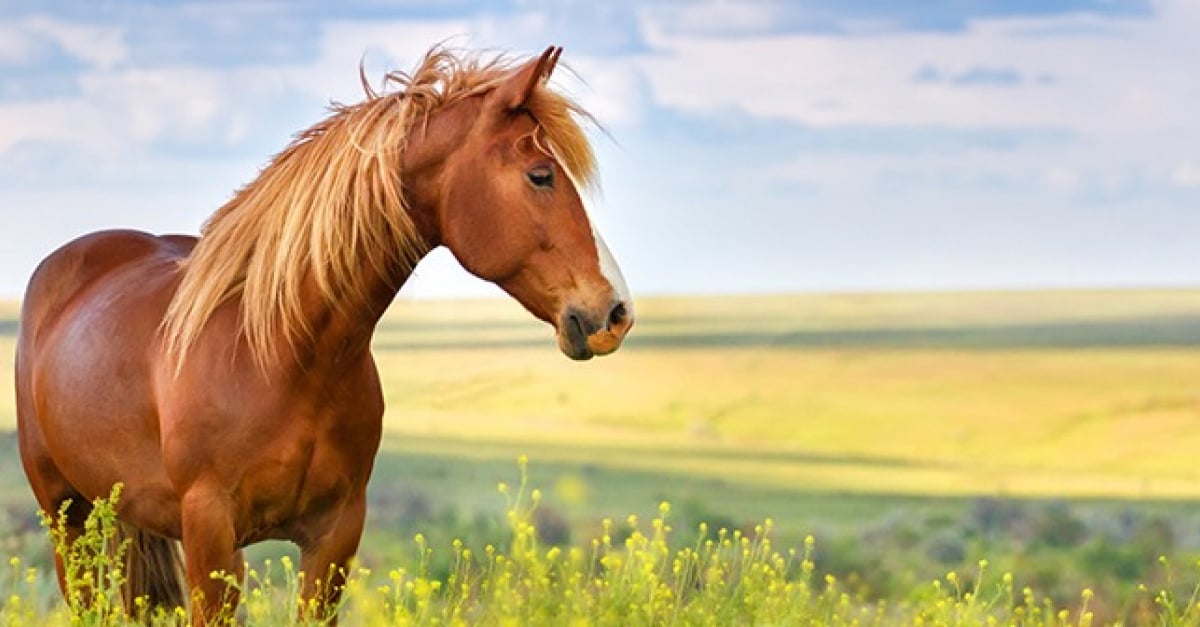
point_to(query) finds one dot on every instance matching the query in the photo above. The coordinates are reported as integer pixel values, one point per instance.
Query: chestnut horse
(227, 380)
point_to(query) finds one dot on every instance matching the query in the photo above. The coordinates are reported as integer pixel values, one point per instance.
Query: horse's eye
(541, 176)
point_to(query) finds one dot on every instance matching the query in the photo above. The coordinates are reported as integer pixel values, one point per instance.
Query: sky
(755, 146)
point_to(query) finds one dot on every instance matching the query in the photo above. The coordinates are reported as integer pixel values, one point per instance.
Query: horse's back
(70, 269)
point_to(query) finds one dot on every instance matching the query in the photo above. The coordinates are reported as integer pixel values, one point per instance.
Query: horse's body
(227, 382)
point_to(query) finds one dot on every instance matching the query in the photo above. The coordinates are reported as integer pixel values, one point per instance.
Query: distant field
(1041, 393)
(1074, 394)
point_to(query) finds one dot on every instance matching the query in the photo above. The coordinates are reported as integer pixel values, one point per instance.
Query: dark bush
(1057, 526)
(946, 547)
(552, 527)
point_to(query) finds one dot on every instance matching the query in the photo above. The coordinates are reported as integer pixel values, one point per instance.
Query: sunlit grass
(974, 403)
(982, 404)
(853, 406)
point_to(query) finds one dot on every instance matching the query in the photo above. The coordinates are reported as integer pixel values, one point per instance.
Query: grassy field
(914, 432)
(1076, 394)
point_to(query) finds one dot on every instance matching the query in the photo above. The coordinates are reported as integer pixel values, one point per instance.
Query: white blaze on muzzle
(608, 265)
(611, 271)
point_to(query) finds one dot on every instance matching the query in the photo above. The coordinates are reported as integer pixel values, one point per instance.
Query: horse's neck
(341, 331)
(349, 330)
(425, 154)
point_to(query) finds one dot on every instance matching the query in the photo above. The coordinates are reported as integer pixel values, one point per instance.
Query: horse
(226, 381)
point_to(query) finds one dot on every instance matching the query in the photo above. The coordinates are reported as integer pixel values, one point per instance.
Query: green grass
(788, 404)
(888, 425)
(632, 572)
(1091, 394)
(1066, 394)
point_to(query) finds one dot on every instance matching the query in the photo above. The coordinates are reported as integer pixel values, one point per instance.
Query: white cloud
(121, 111)
(379, 45)
(720, 16)
(1186, 174)
(1133, 75)
(1060, 178)
(17, 45)
(200, 104)
(611, 88)
(99, 46)
(1124, 90)
(70, 121)
(1120, 105)
(95, 46)
(120, 108)
(612, 91)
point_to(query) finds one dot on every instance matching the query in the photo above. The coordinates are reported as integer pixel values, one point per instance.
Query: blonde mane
(328, 212)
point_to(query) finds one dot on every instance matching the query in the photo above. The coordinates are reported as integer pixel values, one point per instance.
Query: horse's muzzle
(582, 335)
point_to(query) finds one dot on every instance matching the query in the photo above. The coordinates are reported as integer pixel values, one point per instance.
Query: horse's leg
(209, 547)
(72, 524)
(50, 487)
(325, 560)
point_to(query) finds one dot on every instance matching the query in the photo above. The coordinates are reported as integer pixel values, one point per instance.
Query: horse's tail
(153, 569)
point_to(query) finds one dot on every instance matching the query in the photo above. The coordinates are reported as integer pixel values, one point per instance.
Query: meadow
(1050, 433)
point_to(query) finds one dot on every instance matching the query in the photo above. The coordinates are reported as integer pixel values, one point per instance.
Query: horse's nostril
(617, 315)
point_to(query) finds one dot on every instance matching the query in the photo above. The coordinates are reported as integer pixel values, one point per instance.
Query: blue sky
(755, 146)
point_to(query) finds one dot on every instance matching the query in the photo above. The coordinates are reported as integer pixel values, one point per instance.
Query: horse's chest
(306, 483)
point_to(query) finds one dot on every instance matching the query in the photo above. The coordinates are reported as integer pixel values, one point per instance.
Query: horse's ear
(516, 89)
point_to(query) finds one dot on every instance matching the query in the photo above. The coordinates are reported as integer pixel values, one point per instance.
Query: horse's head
(509, 209)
